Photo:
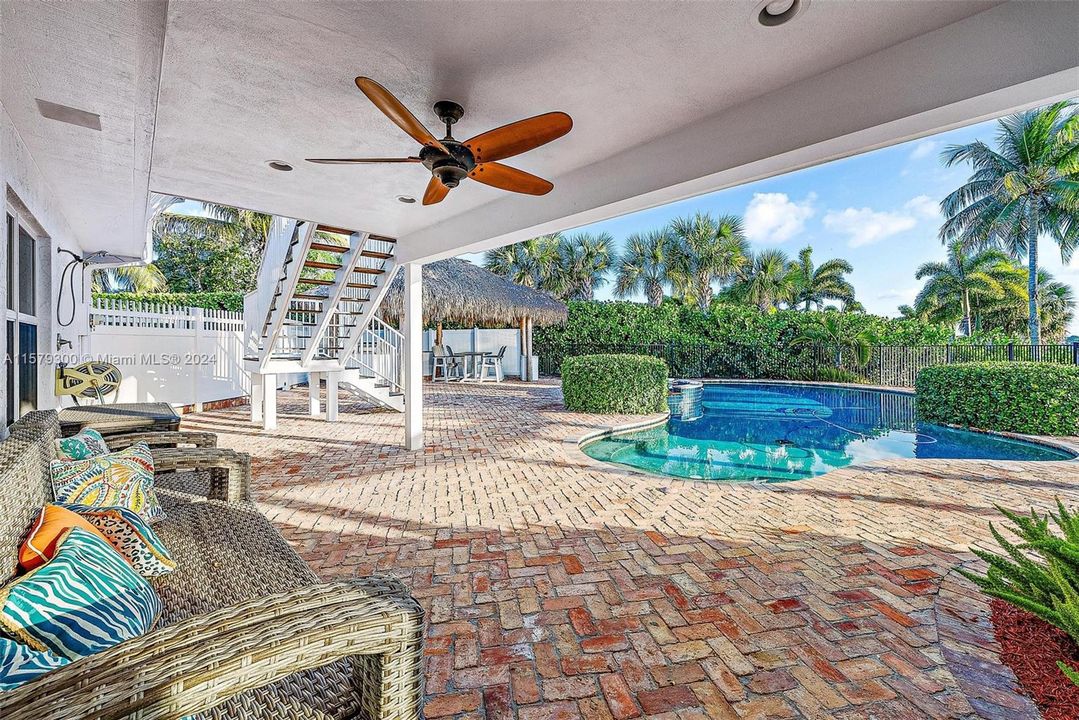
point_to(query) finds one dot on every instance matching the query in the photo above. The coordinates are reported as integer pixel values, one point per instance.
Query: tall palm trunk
(966, 312)
(1034, 320)
(655, 294)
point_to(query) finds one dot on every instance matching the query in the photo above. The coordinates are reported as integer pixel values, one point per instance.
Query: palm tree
(831, 331)
(133, 279)
(1026, 188)
(705, 250)
(526, 263)
(1056, 305)
(766, 280)
(644, 266)
(813, 285)
(581, 266)
(965, 279)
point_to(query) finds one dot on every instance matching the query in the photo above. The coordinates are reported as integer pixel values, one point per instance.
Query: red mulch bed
(1031, 647)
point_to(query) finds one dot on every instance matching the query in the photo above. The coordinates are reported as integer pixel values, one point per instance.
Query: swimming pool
(774, 433)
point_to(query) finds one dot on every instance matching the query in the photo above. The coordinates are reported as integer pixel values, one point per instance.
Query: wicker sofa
(248, 630)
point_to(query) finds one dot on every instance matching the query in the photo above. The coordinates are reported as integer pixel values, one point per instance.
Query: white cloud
(923, 206)
(775, 218)
(901, 296)
(865, 226)
(924, 149)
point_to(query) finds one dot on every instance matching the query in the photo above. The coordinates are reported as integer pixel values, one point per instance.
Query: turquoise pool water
(774, 433)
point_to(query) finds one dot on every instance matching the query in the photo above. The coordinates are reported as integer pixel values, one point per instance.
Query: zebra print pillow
(20, 664)
(85, 600)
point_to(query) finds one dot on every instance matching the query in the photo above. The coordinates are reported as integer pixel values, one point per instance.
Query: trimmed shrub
(634, 384)
(233, 301)
(1024, 397)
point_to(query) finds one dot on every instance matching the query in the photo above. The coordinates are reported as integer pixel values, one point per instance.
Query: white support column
(331, 395)
(257, 395)
(269, 403)
(314, 383)
(412, 327)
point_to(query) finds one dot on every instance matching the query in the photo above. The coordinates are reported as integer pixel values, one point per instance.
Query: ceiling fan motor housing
(450, 169)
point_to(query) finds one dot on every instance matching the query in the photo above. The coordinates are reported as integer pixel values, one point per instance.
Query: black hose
(69, 273)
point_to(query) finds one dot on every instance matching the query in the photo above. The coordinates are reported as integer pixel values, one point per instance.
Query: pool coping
(574, 445)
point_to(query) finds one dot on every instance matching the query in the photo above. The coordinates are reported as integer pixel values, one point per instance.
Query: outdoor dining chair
(494, 363)
(441, 359)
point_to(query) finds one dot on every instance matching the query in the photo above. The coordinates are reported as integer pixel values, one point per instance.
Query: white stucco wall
(26, 191)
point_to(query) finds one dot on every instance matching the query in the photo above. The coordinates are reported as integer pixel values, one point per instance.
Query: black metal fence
(891, 365)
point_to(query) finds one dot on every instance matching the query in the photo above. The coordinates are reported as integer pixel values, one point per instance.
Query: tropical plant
(527, 263)
(580, 266)
(705, 250)
(953, 287)
(1039, 574)
(1056, 305)
(814, 284)
(765, 281)
(644, 266)
(831, 331)
(1025, 188)
(133, 279)
(218, 250)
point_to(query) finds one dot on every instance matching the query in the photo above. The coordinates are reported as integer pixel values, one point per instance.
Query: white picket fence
(179, 355)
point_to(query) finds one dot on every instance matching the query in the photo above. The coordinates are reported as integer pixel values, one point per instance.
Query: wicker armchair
(248, 631)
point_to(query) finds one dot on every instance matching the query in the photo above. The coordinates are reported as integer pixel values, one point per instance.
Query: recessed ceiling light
(280, 165)
(777, 12)
(407, 199)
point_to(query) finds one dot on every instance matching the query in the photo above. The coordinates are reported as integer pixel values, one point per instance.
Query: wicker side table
(119, 418)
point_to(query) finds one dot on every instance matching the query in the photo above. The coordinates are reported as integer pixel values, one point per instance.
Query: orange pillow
(52, 523)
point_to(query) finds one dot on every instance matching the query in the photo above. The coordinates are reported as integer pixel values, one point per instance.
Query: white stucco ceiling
(99, 57)
(244, 83)
(668, 99)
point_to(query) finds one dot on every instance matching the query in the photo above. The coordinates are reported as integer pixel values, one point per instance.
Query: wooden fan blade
(509, 178)
(435, 192)
(519, 137)
(394, 110)
(360, 161)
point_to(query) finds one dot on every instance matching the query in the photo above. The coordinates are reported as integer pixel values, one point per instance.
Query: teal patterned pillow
(85, 600)
(131, 536)
(86, 444)
(20, 664)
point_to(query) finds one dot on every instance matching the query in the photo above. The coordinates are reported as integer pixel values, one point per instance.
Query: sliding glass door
(20, 318)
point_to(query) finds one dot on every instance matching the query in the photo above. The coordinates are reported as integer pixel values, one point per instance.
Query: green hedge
(233, 301)
(1025, 397)
(743, 341)
(614, 384)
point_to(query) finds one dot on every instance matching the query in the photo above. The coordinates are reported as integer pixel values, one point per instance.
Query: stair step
(376, 254)
(363, 286)
(326, 247)
(368, 271)
(333, 230)
(314, 281)
(320, 265)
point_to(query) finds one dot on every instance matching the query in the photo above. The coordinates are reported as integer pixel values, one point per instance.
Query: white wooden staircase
(319, 288)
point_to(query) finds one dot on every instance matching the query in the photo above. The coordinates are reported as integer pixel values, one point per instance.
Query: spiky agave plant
(1041, 573)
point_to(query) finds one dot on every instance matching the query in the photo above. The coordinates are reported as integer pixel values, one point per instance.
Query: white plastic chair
(445, 362)
(492, 362)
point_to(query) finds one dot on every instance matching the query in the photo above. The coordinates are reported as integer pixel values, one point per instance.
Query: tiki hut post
(438, 333)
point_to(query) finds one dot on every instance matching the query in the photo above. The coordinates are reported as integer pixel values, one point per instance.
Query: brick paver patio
(557, 587)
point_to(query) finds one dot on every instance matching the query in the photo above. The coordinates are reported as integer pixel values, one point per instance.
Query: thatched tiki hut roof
(458, 291)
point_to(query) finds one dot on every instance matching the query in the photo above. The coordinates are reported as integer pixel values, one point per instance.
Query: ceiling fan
(451, 161)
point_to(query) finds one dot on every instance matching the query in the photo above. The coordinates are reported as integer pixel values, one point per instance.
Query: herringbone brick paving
(557, 587)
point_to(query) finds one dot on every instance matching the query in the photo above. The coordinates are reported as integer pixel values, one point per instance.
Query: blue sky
(878, 210)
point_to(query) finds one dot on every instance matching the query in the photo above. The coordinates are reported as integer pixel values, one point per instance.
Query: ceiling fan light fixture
(279, 165)
(772, 13)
